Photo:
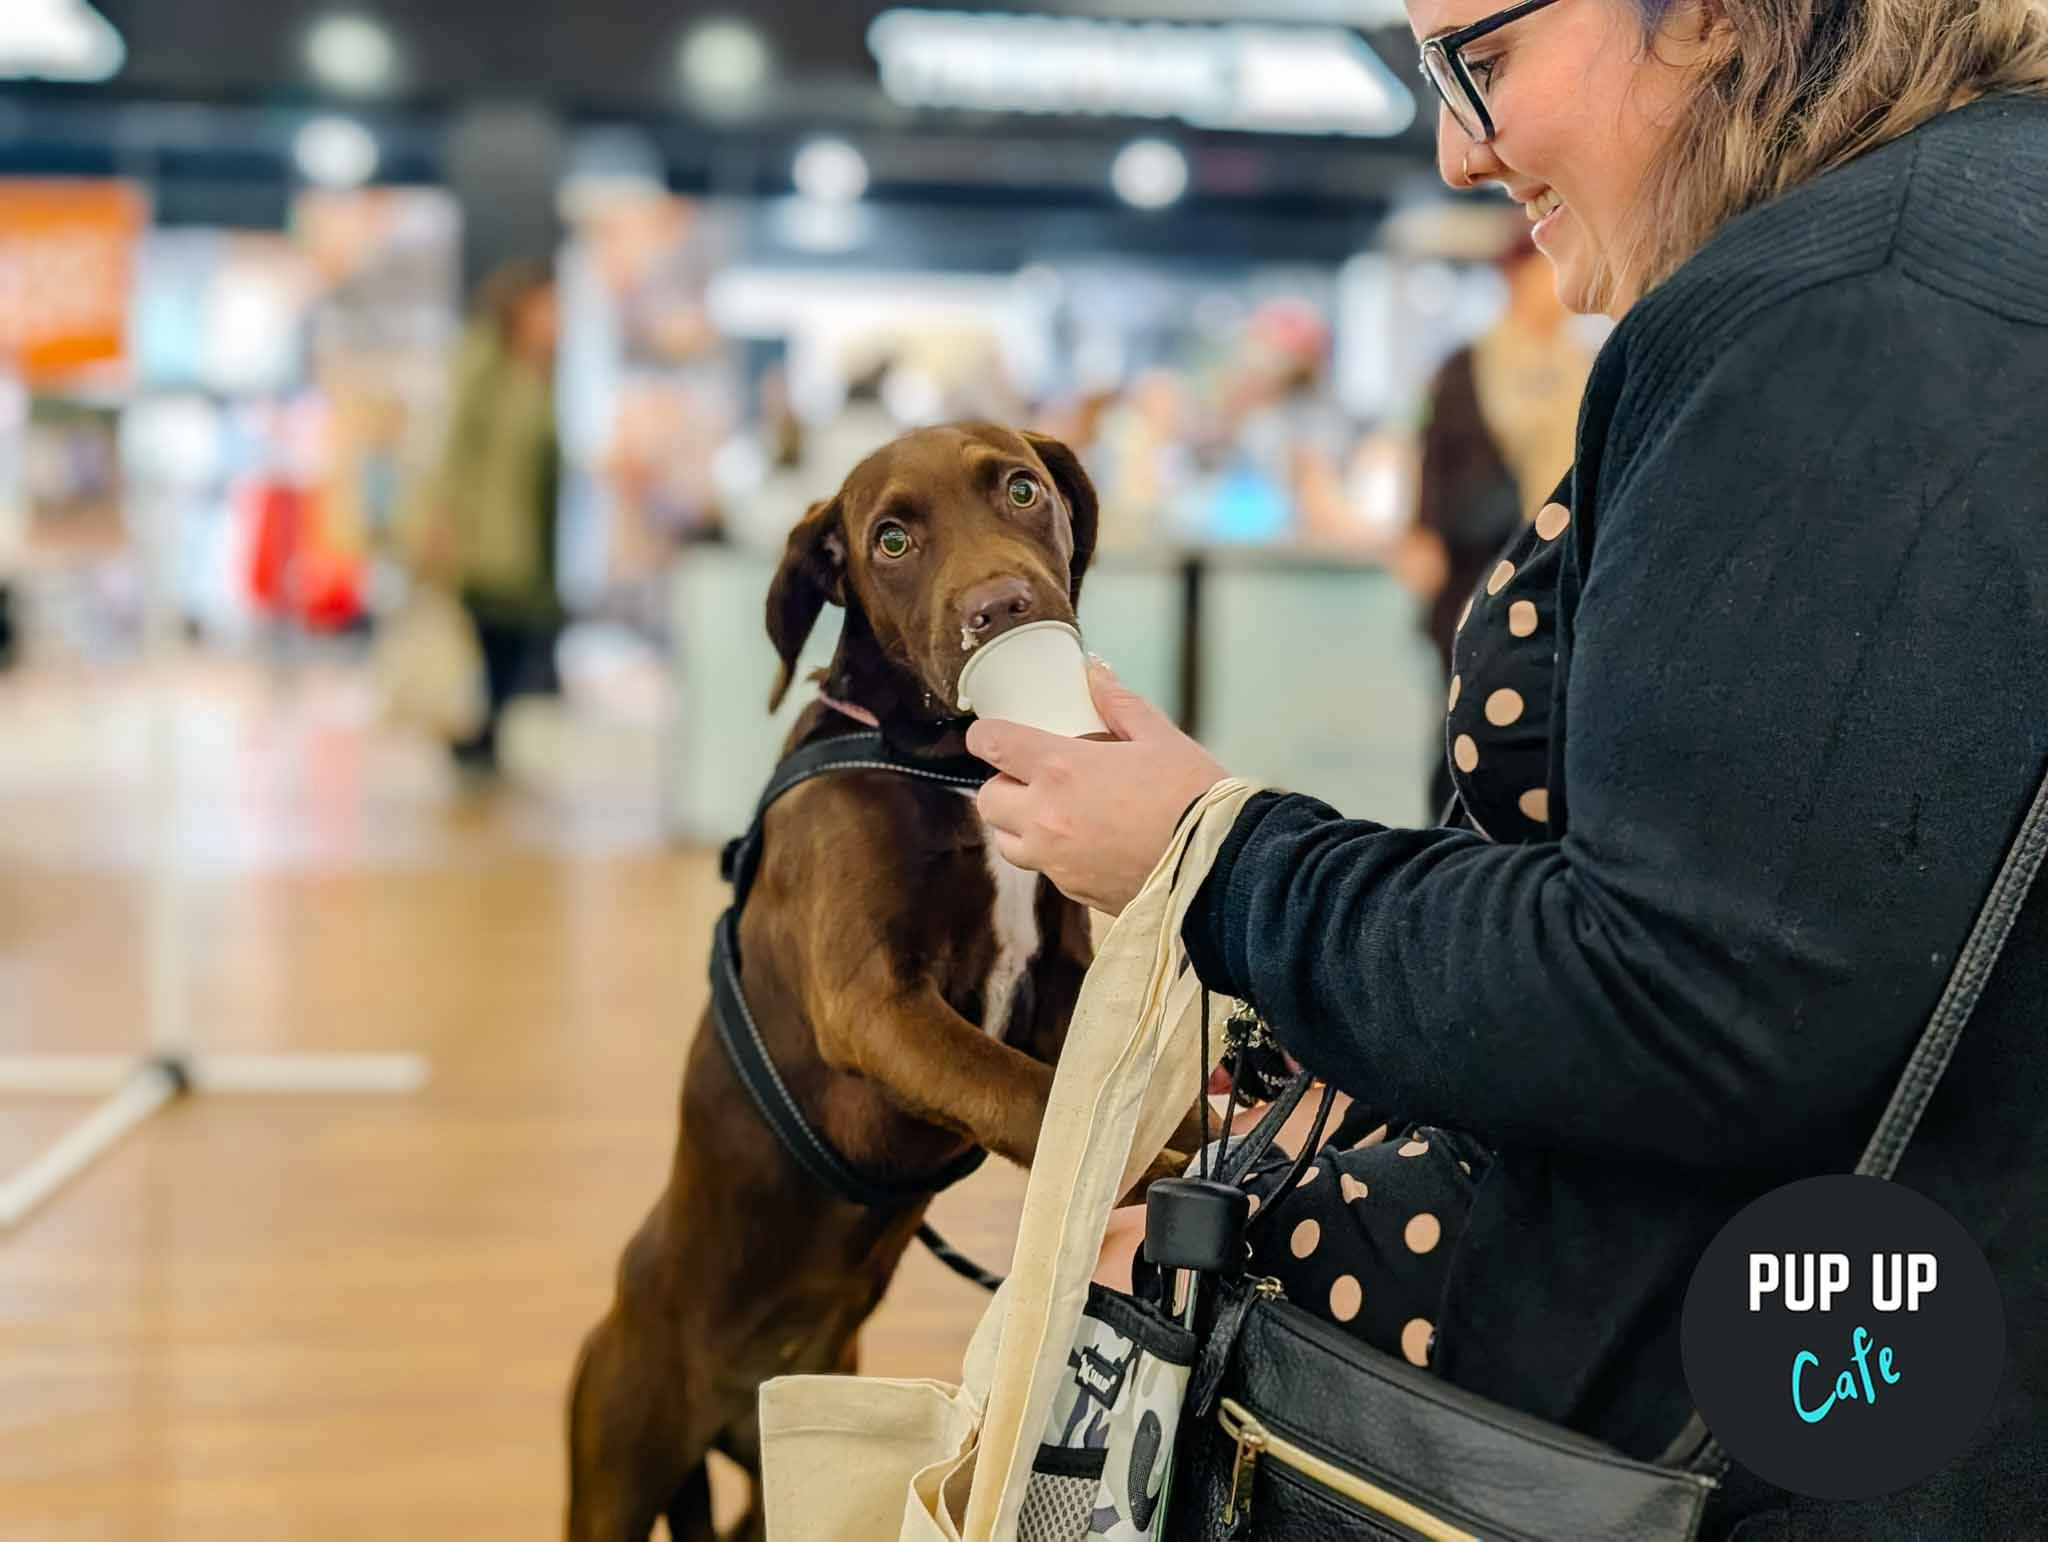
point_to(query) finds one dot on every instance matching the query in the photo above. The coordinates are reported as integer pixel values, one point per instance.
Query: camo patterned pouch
(1100, 1471)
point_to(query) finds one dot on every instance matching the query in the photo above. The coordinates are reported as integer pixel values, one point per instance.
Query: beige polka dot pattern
(1553, 521)
(1457, 685)
(1522, 618)
(1423, 1233)
(1502, 577)
(1346, 1297)
(1414, 1148)
(1415, 1340)
(1308, 1236)
(1309, 1177)
(1536, 804)
(1466, 753)
(1354, 1188)
(1464, 615)
(1504, 708)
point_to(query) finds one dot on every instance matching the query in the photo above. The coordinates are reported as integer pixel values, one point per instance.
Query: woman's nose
(1461, 160)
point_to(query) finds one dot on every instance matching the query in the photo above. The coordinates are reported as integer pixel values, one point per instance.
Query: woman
(1742, 725)
(486, 521)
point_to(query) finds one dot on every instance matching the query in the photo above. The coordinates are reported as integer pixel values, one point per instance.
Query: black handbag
(1293, 1429)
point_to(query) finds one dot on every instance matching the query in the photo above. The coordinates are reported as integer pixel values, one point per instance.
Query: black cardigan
(1801, 703)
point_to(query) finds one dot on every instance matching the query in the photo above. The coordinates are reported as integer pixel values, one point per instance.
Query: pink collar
(858, 714)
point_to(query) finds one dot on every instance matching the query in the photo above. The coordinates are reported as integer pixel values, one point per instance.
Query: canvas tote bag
(862, 1459)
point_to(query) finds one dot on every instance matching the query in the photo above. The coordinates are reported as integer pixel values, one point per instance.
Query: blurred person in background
(1282, 437)
(484, 522)
(1498, 432)
(1743, 727)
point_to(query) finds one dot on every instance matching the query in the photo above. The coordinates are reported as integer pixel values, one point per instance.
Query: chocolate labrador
(911, 988)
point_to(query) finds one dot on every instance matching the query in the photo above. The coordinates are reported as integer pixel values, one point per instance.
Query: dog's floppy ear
(1079, 492)
(813, 571)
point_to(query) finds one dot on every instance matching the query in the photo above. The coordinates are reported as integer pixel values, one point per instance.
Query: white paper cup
(1037, 675)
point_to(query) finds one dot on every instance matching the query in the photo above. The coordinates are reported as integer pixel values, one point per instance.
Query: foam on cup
(1036, 675)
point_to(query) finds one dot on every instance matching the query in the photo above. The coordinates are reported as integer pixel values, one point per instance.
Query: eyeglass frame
(1449, 48)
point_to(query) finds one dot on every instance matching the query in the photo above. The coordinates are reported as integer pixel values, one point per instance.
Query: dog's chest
(1013, 920)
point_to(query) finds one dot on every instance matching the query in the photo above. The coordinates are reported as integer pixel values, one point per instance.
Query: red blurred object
(290, 572)
(277, 511)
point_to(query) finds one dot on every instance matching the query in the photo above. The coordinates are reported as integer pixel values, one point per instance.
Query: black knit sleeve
(1793, 751)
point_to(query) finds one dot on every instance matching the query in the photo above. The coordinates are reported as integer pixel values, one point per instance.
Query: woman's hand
(1093, 817)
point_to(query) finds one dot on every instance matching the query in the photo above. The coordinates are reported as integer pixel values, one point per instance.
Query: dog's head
(938, 543)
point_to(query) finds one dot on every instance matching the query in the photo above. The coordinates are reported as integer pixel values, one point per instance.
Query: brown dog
(911, 987)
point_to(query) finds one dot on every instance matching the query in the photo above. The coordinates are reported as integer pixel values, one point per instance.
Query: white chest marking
(1013, 918)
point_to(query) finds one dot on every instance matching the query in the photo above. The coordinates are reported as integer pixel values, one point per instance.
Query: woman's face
(1582, 99)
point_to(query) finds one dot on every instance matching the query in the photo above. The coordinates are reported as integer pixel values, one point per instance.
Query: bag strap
(1965, 985)
(1930, 1057)
(1118, 1092)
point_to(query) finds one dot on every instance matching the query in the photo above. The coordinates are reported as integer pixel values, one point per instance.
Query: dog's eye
(893, 541)
(1023, 491)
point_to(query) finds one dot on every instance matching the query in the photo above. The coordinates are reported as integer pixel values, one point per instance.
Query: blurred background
(402, 407)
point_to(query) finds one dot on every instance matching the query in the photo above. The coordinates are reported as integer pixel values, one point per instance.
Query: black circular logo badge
(1843, 1337)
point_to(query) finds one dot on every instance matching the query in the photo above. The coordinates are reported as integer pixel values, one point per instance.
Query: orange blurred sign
(67, 259)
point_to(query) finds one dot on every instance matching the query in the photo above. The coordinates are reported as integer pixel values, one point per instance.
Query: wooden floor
(324, 1318)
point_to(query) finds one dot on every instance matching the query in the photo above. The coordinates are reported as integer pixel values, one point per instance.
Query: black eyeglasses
(1443, 64)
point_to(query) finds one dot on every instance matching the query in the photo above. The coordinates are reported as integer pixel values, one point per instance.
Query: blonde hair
(1805, 85)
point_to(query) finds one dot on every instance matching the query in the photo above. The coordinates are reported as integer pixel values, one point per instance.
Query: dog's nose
(990, 609)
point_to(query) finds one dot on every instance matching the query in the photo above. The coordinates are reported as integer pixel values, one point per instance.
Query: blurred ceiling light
(831, 171)
(1149, 174)
(1256, 78)
(725, 64)
(57, 40)
(335, 152)
(352, 53)
(1341, 13)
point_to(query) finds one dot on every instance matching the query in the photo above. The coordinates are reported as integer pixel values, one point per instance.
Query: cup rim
(967, 669)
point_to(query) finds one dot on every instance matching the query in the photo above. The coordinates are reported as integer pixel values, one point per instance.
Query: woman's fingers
(1005, 803)
(1015, 850)
(1128, 715)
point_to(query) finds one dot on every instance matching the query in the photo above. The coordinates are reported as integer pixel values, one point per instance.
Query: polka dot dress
(1365, 1238)
(1497, 723)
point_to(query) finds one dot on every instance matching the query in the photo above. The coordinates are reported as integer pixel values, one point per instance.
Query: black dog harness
(741, 863)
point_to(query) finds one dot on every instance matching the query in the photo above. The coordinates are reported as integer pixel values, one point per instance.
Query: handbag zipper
(1256, 1443)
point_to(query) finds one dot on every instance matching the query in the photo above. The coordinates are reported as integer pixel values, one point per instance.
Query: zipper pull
(1268, 1287)
(1250, 1436)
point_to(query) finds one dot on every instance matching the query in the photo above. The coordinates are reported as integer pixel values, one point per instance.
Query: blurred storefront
(1228, 285)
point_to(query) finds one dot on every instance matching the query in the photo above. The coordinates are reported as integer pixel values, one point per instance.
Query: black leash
(741, 1038)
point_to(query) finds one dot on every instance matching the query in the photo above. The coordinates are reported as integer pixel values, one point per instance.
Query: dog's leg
(742, 1442)
(689, 1513)
(937, 1065)
(632, 1446)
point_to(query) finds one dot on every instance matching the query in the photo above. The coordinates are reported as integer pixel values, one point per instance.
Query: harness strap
(741, 859)
(737, 1031)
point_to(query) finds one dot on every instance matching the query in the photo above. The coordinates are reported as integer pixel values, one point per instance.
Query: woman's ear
(813, 571)
(1079, 493)
(1695, 34)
